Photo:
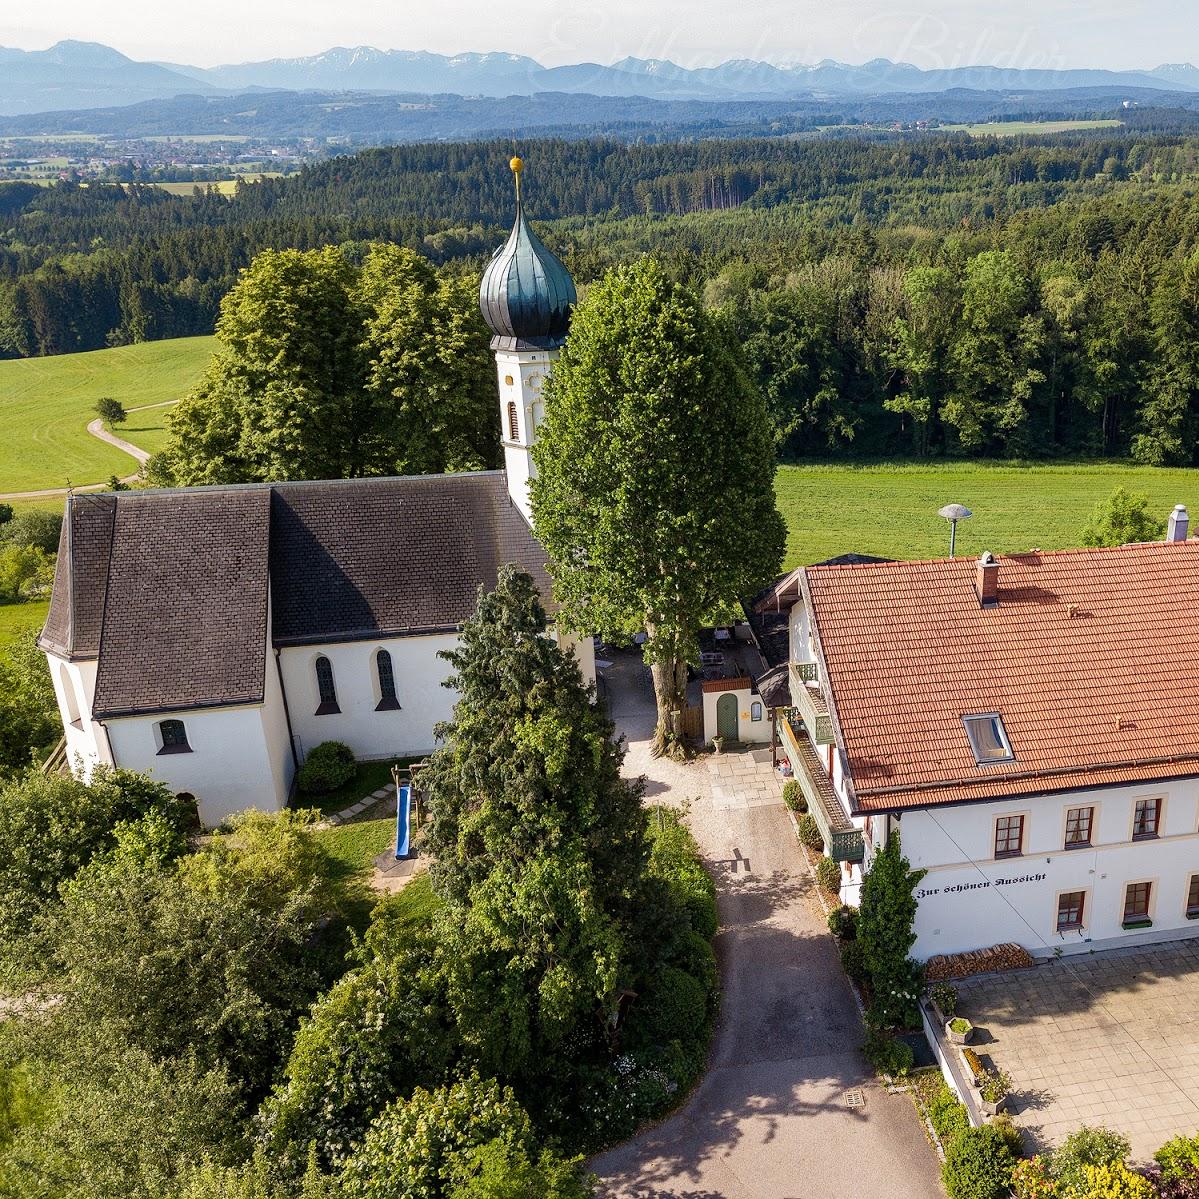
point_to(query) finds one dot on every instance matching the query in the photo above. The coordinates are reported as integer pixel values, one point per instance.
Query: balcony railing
(810, 702)
(842, 842)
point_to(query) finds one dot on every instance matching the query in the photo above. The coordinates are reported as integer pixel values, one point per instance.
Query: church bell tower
(526, 297)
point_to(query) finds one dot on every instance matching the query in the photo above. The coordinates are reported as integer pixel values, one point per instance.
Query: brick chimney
(986, 580)
(1176, 526)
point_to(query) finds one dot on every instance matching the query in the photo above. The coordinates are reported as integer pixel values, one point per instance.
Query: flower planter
(959, 1038)
(992, 1107)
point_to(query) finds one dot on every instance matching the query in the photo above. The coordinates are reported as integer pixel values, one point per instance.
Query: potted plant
(959, 1030)
(944, 999)
(717, 744)
(994, 1088)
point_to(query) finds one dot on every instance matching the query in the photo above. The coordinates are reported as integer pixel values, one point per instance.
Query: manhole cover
(855, 1098)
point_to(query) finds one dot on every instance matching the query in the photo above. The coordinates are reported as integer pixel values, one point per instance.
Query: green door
(726, 716)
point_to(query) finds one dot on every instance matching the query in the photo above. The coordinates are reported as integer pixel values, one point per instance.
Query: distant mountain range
(82, 75)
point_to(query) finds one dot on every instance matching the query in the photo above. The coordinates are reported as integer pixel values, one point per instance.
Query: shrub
(326, 768)
(674, 858)
(946, 1114)
(828, 874)
(793, 796)
(887, 1054)
(843, 922)
(1115, 1181)
(1083, 1148)
(35, 527)
(809, 833)
(1179, 1159)
(853, 961)
(945, 996)
(1031, 1179)
(447, 1142)
(671, 1008)
(978, 1165)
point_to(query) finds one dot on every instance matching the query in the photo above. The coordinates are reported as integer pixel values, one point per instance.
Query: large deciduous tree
(327, 369)
(654, 497)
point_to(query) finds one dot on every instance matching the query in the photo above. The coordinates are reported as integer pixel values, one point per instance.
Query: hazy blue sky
(929, 33)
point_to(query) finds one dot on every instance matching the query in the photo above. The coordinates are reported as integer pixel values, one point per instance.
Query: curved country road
(96, 429)
(770, 1120)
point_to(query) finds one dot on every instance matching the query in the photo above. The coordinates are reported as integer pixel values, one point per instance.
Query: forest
(933, 296)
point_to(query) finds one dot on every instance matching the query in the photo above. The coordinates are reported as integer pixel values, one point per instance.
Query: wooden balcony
(842, 842)
(810, 702)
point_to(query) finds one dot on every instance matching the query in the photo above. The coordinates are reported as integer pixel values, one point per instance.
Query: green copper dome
(526, 294)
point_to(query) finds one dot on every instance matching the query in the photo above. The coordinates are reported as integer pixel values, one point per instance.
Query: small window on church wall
(507, 380)
(68, 694)
(325, 688)
(387, 683)
(513, 424)
(173, 736)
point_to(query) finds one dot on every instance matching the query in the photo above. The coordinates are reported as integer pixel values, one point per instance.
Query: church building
(212, 636)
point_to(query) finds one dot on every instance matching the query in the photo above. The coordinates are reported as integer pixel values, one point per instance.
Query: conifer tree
(886, 934)
(539, 845)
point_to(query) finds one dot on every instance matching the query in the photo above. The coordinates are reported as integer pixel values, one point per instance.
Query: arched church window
(325, 688)
(68, 694)
(513, 423)
(388, 702)
(173, 736)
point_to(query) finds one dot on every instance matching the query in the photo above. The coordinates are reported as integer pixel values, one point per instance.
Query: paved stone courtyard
(1110, 1039)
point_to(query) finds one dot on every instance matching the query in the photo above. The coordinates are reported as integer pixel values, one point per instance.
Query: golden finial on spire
(517, 166)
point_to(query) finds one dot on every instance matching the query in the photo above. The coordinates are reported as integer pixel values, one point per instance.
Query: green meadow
(46, 404)
(890, 509)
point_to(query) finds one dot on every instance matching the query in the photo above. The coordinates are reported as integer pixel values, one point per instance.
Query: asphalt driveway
(775, 1117)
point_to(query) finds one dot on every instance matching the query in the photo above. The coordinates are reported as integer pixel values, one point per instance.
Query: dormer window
(173, 737)
(988, 739)
(326, 691)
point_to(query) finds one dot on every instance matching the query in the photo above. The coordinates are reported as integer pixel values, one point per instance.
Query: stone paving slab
(1110, 1038)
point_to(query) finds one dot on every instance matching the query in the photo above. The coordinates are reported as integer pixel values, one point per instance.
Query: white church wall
(74, 687)
(405, 732)
(522, 375)
(228, 768)
(970, 899)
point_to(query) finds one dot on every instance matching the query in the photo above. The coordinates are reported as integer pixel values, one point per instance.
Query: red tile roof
(1088, 657)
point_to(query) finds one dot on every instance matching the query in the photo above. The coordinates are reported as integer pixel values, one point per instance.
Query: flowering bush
(1031, 1179)
(1115, 1181)
(945, 996)
(1179, 1159)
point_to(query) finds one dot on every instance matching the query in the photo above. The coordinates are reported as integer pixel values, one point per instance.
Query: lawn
(890, 509)
(46, 404)
(17, 620)
(355, 846)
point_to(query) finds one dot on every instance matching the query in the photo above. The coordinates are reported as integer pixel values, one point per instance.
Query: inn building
(1029, 725)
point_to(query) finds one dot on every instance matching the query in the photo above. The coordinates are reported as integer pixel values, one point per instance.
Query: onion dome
(526, 294)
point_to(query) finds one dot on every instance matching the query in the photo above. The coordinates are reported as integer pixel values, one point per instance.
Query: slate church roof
(171, 590)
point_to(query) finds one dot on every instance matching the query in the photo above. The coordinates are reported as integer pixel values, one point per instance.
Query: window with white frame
(988, 739)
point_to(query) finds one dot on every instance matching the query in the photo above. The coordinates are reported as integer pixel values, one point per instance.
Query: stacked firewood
(978, 961)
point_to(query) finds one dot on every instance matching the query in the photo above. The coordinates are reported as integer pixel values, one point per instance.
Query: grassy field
(1015, 128)
(891, 510)
(46, 403)
(18, 620)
